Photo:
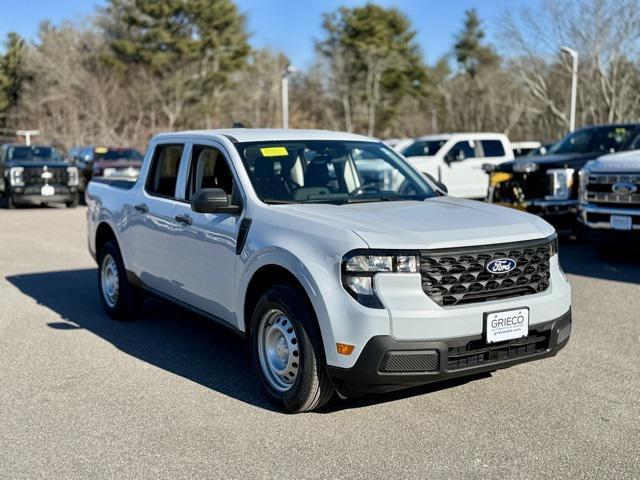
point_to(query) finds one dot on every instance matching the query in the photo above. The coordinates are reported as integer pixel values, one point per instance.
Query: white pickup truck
(339, 285)
(457, 159)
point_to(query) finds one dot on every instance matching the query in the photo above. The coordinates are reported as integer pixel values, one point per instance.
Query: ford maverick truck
(342, 283)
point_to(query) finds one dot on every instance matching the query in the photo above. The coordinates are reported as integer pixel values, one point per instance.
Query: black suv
(36, 174)
(547, 185)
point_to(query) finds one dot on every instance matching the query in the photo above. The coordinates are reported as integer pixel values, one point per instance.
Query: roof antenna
(238, 125)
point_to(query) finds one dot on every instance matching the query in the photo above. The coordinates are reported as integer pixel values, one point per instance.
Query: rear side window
(163, 174)
(492, 148)
(462, 150)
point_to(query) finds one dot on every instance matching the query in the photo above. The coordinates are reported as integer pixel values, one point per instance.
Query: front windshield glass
(33, 153)
(421, 148)
(634, 141)
(118, 154)
(323, 171)
(599, 139)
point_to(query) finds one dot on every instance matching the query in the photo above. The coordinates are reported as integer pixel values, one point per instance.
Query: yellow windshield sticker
(102, 149)
(274, 152)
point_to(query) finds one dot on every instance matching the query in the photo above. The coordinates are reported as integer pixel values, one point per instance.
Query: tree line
(140, 66)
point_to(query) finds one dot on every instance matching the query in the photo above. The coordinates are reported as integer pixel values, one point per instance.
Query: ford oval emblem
(501, 265)
(624, 188)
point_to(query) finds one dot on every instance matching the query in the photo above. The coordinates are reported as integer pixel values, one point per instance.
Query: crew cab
(609, 197)
(36, 175)
(548, 185)
(339, 285)
(457, 159)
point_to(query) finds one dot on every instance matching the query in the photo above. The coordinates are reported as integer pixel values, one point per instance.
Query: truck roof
(471, 135)
(267, 134)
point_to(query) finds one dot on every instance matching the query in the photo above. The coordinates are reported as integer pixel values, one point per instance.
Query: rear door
(152, 218)
(204, 244)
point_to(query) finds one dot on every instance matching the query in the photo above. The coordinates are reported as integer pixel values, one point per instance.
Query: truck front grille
(478, 352)
(600, 190)
(459, 276)
(33, 176)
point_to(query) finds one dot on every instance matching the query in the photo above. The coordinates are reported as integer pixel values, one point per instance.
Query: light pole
(27, 134)
(285, 94)
(574, 86)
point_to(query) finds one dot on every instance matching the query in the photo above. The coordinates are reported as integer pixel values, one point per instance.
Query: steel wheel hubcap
(278, 350)
(110, 280)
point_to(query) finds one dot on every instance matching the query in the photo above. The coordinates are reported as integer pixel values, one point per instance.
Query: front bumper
(21, 198)
(387, 364)
(597, 217)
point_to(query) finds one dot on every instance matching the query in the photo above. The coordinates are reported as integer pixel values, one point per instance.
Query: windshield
(421, 148)
(600, 139)
(634, 141)
(323, 171)
(35, 153)
(118, 154)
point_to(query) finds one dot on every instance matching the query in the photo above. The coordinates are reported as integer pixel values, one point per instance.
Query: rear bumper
(386, 364)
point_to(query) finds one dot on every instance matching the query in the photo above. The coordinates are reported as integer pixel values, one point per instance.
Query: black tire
(8, 201)
(74, 203)
(312, 387)
(129, 299)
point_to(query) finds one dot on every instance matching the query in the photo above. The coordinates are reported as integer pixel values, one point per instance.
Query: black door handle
(142, 208)
(185, 219)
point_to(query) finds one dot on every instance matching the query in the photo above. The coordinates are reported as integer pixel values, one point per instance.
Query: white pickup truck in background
(456, 159)
(344, 267)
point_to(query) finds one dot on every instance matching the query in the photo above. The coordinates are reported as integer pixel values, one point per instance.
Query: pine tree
(470, 52)
(13, 74)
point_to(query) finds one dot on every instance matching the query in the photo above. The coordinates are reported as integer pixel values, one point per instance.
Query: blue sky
(290, 26)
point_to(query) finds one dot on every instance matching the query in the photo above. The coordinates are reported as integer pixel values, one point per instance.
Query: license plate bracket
(506, 324)
(620, 222)
(47, 191)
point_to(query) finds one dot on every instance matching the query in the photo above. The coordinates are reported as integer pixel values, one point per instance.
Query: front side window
(462, 150)
(163, 173)
(208, 169)
(324, 171)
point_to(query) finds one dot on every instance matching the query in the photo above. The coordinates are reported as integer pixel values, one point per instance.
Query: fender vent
(405, 362)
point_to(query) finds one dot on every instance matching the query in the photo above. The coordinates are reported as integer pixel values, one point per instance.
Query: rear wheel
(287, 351)
(119, 298)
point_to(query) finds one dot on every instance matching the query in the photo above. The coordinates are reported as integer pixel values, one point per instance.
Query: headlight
(72, 176)
(561, 183)
(583, 176)
(15, 177)
(553, 245)
(359, 269)
(525, 167)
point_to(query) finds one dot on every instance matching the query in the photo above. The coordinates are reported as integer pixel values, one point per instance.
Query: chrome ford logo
(624, 188)
(47, 175)
(501, 265)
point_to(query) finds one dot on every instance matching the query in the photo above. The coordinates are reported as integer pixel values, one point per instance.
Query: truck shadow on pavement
(616, 263)
(172, 338)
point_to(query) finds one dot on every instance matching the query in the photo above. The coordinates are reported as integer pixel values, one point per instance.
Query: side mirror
(437, 183)
(212, 200)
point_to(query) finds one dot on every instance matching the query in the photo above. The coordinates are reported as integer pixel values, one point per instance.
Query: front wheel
(119, 298)
(74, 201)
(287, 351)
(8, 200)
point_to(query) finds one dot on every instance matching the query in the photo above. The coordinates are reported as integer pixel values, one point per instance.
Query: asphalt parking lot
(173, 396)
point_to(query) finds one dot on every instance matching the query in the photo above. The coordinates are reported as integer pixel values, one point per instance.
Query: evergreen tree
(471, 53)
(13, 74)
(375, 63)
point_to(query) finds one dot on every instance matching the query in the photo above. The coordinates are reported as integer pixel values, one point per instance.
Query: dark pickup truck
(547, 185)
(35, 175)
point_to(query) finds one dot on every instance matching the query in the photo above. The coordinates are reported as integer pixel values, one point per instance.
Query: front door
(151, 223)
(204, 244)
(462, 171)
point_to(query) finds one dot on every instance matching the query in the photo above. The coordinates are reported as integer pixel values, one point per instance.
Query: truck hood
(440, 222)
(628, 161)
(36, 164)
(565, 160)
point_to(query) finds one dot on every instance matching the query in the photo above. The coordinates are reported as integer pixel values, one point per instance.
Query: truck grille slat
(458, 276)
(600, 190)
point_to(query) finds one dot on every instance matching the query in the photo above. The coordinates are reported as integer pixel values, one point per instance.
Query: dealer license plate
(620, 222)
(47, 191)
(507, 325)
